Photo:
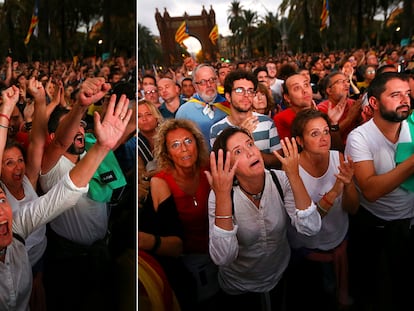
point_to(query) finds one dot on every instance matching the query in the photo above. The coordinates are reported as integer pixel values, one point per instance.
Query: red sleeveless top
(193, 212)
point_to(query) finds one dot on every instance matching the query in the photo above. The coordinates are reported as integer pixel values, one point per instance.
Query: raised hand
(335, 113)
(290, 160)
(92, 90)
(346, 171)
(250, 123)
(114, 123)
(36, 89)
(222, 173)
(10, 96)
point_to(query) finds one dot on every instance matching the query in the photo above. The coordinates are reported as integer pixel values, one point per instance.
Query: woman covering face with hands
(248, 218)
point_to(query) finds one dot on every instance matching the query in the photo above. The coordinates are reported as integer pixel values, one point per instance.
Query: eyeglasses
(175, 145)
(342, 81)
(151, 92)
(370, 71)
(204, 82)
(242, 91)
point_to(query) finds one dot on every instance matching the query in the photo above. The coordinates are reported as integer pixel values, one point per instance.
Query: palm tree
(248, 28)
(235, 20)
(267, 34)
(148, 51)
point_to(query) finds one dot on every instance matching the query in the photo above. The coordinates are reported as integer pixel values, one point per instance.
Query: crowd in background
(277, 183)
(68, 173)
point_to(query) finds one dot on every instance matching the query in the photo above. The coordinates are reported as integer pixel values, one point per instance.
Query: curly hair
(161, 153)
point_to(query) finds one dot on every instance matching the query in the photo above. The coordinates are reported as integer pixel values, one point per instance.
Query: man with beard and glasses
(379, 244)
(239, 89)
(206, 107)
(77, 274)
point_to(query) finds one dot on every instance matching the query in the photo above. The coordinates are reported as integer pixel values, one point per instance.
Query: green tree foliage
(68, 28)
(148, 51)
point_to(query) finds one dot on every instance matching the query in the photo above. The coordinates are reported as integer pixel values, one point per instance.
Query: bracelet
(325, 199)
(321, 208)
(5, 116)
(334, 128)
(157, 243)
(3, 126)
(223, 217)
(28, 126)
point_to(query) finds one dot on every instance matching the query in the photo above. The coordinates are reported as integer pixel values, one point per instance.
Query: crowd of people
(68, 188)
(278, 184)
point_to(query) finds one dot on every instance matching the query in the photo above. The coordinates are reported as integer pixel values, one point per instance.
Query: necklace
(255, 196)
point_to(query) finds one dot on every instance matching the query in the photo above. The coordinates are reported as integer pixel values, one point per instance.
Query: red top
(193, 212)
(283, 122)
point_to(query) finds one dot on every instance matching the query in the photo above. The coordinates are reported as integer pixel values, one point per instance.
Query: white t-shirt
(367, 143)
(335, 223)
(87, 221)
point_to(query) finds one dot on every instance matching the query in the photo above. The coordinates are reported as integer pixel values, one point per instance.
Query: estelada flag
(182, 33)
(214, 34)
(33, 23)
(325, 15)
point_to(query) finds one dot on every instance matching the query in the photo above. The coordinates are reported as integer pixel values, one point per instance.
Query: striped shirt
(265, 135)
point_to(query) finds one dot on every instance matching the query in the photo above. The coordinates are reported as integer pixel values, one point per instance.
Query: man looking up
(206, 107)
(380, 240)
(239, 89)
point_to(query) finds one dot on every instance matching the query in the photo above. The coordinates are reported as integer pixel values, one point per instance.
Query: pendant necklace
(255, 196)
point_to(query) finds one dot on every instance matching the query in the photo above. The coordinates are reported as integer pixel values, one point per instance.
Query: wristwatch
(334, 128)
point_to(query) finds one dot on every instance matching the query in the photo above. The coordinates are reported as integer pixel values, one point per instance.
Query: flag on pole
(182, 33)
(325, 15)
(214, 34)
(33, 28)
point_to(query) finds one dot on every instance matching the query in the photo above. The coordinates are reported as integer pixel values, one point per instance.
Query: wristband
(5, 116)
(325, 199)
(334, 128)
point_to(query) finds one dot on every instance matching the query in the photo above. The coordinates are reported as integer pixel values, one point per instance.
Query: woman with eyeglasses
(369, 75)
(180, 191)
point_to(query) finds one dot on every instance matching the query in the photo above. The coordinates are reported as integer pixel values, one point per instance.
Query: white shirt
(367, 143)
(87, 221)
(335, 223)
(253, 256)
(36, 242)
(16, 271)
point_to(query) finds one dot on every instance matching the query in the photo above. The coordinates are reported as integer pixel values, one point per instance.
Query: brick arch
(199, 26)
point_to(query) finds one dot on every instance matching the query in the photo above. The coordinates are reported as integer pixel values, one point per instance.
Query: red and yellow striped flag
(214, 34)
(33, 24)
(182, 33)
(325, 15)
